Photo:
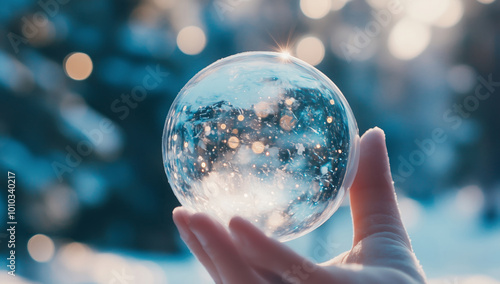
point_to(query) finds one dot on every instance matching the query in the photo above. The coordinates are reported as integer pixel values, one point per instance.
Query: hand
(381, 251)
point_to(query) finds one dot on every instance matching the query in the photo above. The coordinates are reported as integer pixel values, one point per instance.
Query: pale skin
(381, 250)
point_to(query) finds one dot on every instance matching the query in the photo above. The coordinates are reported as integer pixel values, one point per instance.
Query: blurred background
(85, 87)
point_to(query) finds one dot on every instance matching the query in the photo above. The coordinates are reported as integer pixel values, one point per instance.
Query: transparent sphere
(264, 136)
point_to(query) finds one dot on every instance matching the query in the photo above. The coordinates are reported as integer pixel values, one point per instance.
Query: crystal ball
(264, 136)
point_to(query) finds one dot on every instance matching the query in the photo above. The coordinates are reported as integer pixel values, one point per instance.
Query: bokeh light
(452, 15)
(311, 50)
(427, 11)
(338, 4)
(41, 34)
(191, 40)
(41, 248)
(78, 66)
(378, 4)
(315, 9)
(408, 39)
(469, 200)
(461, 78)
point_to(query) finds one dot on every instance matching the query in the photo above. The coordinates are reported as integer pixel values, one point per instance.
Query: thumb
(373, 199)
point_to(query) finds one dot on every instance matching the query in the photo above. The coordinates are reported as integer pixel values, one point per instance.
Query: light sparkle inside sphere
(264, 136)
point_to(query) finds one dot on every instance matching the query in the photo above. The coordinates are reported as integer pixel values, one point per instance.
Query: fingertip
(178, 211)
(182, 219)
(245, 228)
(372, 194)
(181, 215)
(237, 219)
(373, 136)
(379, 131)
(374, 168)
(238, 223)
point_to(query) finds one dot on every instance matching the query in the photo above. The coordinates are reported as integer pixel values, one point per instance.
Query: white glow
(258, 147)
(408, 39)
(315, 9)
(41, 248)
(311, 50)
(191, 40)
(263, 109)
(452, 15)
(285, 54)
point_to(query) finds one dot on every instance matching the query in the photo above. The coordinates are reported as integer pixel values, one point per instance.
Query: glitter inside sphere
(264, 136)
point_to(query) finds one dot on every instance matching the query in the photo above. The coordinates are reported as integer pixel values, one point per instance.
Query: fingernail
(379, 130)
(382, 132)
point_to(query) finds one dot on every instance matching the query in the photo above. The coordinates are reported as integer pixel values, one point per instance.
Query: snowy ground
(447, 237)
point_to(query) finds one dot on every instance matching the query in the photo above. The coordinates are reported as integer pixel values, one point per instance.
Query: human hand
(381, 251)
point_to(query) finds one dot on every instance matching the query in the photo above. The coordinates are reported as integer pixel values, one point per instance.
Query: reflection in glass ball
(264, 136)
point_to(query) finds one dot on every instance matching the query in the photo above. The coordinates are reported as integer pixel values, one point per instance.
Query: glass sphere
(264, 136)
